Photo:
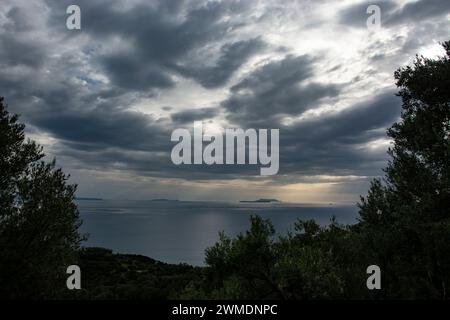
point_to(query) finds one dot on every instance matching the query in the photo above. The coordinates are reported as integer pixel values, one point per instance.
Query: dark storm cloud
(332, 143)
(161, 36)
(275, 89)
(105, 127)
(189, 116)
(80, 122)
(232, 56)
(128, 72)
(15, 51)
(351, 125)
(158, 41)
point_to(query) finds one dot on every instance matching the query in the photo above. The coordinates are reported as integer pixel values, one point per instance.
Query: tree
(242, 267)
(38, 218)
(405, 219)
(254, 265)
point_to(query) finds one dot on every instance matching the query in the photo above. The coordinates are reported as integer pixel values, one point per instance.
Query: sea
(180, 231)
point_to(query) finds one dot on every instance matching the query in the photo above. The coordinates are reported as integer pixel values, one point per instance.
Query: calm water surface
(179, 231)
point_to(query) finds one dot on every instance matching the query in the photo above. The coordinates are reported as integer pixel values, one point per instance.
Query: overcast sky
(104, 100)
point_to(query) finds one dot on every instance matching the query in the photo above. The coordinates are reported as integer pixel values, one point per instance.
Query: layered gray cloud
(276, 89)
(100, 129)
(162, 37)
(332, 143)
(232, 56)
(21, 51)
(107, 97)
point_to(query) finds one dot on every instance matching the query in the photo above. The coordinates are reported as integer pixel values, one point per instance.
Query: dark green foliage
(254, 265)
(405, 221)
(38, 219)
(122, 276)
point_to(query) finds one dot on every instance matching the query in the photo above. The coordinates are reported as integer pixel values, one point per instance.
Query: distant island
(163, 200)
(261, 200)
(88, 199)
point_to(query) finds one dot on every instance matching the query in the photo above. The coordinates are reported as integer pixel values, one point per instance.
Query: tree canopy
(39, 221)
